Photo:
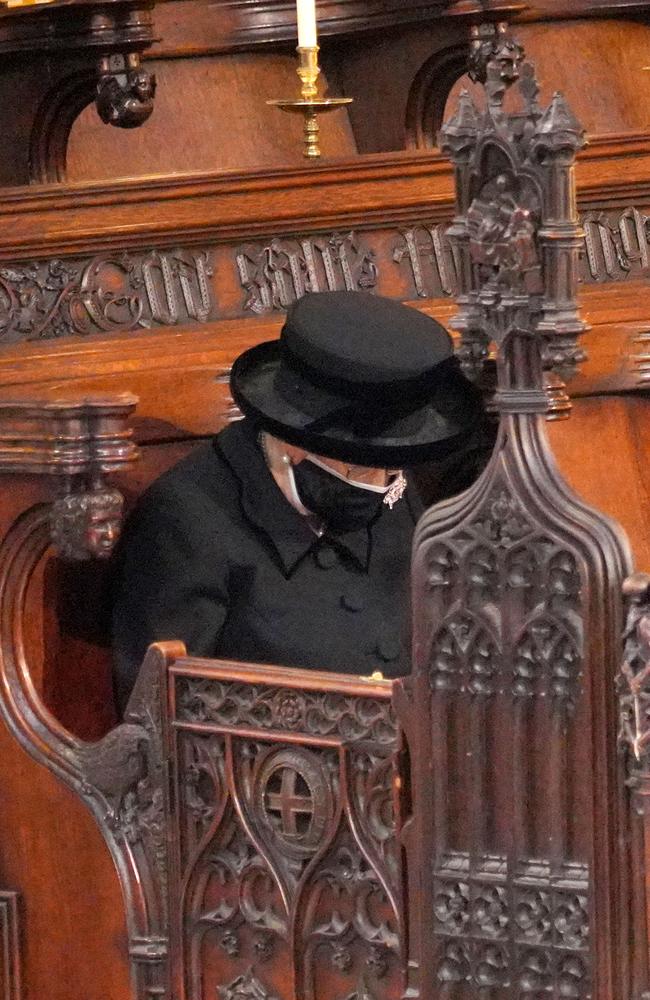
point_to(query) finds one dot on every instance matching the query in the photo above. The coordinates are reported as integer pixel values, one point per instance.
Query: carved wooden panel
(505, 662)
(615, 246)
(516, 829)
(287, 869)
(10, 964)
(119, 291)
(142, 290)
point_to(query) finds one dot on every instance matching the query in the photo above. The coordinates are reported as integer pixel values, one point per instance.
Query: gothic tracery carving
(515, 629)
(256, 811)
(521, 937)
(502, 552)
(634, 681)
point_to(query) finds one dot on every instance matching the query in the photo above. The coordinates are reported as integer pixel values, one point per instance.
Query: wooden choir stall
(480, 829)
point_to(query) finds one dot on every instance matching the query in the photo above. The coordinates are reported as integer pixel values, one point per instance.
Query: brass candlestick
(310, 105)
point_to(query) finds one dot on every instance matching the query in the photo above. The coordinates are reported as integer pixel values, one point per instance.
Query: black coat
(215, 555)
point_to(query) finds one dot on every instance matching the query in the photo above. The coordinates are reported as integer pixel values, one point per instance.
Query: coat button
(388, 648)
(353, 601)
(326, 557)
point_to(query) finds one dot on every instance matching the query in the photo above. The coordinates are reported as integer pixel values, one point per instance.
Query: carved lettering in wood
(123, 291)
(616, 246)
(432, 260)
(132, 290)
(277, 274)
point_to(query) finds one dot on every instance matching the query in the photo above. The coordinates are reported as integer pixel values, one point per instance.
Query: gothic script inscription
(123, 291)
(277, 274)
(616, 246)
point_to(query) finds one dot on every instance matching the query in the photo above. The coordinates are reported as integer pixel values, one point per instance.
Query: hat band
(412, 392)
(371, 420)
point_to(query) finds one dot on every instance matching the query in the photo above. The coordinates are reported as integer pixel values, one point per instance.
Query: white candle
(306, 23)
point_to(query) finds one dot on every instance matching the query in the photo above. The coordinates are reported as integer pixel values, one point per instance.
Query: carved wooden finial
(516, 232)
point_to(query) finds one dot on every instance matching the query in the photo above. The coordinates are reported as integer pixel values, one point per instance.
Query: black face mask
(340, 505)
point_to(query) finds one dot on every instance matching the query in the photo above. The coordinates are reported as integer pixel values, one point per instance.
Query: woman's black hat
(359, 378)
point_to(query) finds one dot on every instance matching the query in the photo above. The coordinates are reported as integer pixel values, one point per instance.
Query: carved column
(515, 835)
(634, 739)
(10, 964)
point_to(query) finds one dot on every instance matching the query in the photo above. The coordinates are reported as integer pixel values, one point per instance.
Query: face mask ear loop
(295, 496)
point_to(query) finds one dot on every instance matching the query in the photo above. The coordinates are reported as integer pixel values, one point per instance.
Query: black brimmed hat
(359, 378)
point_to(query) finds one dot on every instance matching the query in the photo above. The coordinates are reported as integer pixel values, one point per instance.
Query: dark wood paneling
(227, 25)
(226, 124)
(601, 67)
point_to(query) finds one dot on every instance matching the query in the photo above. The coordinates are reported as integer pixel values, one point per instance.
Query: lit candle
(306, 23)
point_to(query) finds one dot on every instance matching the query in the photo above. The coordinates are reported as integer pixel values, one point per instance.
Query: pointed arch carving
(517, 820)
(119, 778)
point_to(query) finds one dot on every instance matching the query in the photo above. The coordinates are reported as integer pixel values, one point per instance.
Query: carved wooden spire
(516, 813)
(516, 229)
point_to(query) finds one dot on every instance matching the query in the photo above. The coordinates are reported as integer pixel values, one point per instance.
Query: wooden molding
(10, 962)
(187, 28)
(89, 437)
(240, 24)
(582, 8)
(372, 190)
(62, 27)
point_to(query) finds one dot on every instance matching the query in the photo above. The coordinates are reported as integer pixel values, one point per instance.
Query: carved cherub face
(87, 525)
(508, 58)
(143, 85)
(102, 531)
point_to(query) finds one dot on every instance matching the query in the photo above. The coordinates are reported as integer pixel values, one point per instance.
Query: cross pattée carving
(288, 804)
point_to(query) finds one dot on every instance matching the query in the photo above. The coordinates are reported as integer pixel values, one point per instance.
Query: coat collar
(267, 508)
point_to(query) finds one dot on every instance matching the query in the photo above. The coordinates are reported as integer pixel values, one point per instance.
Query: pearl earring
(286, 460)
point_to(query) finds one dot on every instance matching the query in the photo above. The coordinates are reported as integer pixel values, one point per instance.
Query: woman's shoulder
(201, 480)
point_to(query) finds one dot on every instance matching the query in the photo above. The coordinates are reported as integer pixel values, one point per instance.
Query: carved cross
(288, 804)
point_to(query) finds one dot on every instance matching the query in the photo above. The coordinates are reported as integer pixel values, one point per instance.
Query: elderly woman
(287, 538)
